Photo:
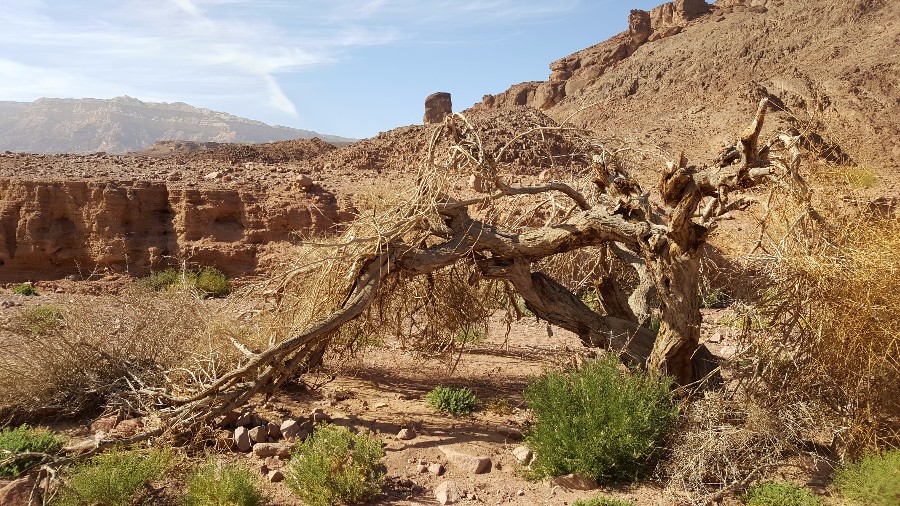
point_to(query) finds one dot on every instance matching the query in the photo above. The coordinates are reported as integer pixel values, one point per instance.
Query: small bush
(770, 493)
(597, 421)
(208, 282)
(713, 298)
(114, 478)
(334, 466)
(41, 320)
(603, 501)
(25, 439)
(223, 485)
(873, 481)
(212, 282)
(24, 289)
(456, 401)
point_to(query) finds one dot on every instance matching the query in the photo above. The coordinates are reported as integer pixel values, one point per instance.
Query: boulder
(259, 434)
(18, 492)
(523, 454)
(437, 107)
(263, 450)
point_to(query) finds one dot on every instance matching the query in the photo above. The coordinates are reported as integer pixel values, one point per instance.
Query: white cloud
(178, 50)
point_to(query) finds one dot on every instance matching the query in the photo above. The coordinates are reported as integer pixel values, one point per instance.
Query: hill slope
(686, 74)
(126, 124)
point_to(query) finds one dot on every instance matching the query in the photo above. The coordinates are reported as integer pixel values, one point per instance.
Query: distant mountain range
(124, 124)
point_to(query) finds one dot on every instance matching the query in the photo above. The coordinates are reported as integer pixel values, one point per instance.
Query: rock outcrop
(437, 107)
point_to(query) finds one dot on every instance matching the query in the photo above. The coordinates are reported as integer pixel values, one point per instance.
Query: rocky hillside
(687, 73)
(124, 124)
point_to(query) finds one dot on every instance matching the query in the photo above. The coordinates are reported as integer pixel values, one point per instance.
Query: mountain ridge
(126, 124)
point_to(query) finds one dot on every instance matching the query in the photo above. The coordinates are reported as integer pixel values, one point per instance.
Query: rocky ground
(382, 390)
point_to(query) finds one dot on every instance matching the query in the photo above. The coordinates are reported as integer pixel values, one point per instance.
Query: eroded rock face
(437, 107)
(51, 229)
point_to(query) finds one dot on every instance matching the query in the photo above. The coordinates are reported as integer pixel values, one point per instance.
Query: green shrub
(24, 289)
(41, 320)
(223, 485)
(208, 282)
(25, 439)
(713, 298)
(602, 500)
(598, 421)
(114, 478)
(211, 282)
(334, 466)
(873, 481)
(456, 401)
(770, 493)
(159, 281)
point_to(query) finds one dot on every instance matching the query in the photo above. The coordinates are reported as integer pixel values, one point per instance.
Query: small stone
(520, 492)
(274, 463)
(212, 175)
(259, 434)
(105, 424)
(476, 183)
(575, 482)
(421, 468)
(716, 338)
(304, 181)
(275, 475)
(523, 454)
(242, 439)
(406, 434)
(436, 469)
(129, 428)
(448, 492)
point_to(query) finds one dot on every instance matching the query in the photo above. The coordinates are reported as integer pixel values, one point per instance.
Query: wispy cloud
(187, 49)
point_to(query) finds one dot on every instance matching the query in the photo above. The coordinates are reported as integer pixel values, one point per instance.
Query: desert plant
(216, 484)
(872, 481)
(455, 401)
(41, 320)
(24, 439)
(114, 478)
(770, 493)
(833, 311)
(211, 282)
(24, 289)
(334, 465)
(598, 421)
(602, 500)
(207, 282)
(859, 176)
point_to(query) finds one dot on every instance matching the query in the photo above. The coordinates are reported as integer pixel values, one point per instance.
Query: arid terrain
(685, 78)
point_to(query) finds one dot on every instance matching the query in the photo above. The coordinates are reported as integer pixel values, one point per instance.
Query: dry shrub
(834, 311)
(727, 439)
(105, 351)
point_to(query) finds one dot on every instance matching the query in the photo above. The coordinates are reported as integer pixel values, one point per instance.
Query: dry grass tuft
(109, 354)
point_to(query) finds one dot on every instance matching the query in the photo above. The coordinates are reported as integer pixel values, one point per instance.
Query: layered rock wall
(51, 229)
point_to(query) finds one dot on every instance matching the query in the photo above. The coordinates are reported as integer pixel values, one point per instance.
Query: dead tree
(436, 230)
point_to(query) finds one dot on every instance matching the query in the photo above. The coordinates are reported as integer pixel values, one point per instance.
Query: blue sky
(343, 67)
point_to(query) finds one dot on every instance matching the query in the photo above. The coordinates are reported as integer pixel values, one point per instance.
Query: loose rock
(475, 464)
(523, 454)
(448, 492)
(242, 439)
(436, 469)
(272, 450)
(406, 434)
(259, 434)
